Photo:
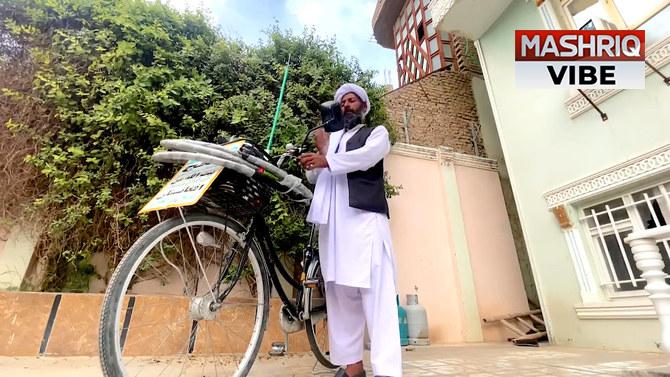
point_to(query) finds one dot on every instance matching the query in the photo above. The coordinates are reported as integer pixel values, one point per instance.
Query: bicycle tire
(111, 353)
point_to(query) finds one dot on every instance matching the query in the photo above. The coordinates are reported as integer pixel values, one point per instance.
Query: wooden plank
(536, 319)
(510, 316)
(513, 328)
(532, 336)
(527, 324)
(526, 329)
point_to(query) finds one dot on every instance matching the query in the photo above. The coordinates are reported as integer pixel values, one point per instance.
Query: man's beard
(351, 119)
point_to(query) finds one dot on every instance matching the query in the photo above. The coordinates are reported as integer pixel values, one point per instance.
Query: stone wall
(441, 110)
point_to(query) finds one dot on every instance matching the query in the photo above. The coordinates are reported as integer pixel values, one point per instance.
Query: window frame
(633, 222)
(612, 10)
(406, 58)
(649, 16)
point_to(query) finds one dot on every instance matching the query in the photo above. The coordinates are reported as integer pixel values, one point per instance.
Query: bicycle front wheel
(162, 313)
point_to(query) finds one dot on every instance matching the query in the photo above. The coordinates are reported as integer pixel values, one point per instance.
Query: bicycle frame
(294, 307)
(259, 229)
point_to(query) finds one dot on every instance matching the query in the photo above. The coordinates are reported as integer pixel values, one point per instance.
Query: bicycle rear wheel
(317, 324)
(160, 316)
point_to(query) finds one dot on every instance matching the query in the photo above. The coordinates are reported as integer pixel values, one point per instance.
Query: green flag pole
(278, 110)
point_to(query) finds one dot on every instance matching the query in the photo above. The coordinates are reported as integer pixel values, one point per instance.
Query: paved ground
(482, 360)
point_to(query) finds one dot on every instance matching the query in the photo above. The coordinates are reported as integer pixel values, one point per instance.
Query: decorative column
(648, 260)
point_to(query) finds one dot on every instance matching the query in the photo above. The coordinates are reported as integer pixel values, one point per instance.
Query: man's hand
(311, 161)
(321, 140)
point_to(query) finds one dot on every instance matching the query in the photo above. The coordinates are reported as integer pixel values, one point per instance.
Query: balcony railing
(649, 261)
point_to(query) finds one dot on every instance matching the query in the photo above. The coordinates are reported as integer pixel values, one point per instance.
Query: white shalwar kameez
(357, 259)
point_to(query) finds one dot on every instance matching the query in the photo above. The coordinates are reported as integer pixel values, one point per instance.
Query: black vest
(366, 188)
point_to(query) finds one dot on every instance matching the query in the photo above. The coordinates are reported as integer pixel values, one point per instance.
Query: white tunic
(349, 237)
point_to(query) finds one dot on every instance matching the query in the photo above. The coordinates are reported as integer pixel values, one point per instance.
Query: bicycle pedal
(311, 283)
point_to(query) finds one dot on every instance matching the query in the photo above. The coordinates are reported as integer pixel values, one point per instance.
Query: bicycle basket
(236, 194)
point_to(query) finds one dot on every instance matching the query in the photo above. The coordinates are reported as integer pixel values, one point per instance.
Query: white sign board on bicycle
(186, 187)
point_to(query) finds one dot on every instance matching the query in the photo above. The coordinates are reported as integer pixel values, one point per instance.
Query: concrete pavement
(471, 360)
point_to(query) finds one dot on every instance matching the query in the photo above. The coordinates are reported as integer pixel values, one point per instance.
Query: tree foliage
(119, 76)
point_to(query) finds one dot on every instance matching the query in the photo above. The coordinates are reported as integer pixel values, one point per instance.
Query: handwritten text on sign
(186, 187)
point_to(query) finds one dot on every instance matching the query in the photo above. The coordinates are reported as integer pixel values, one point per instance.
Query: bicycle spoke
(195, 251)
(181, 276)
(211, 346)
(170, 280)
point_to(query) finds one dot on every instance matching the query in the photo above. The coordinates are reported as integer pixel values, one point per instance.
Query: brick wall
(441, 109)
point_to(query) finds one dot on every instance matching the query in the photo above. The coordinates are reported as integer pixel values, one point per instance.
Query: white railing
(649, 261)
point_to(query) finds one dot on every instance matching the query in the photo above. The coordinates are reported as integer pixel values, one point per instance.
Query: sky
(350, 22)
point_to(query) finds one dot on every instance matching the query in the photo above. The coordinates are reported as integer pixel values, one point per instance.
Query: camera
(331, 116)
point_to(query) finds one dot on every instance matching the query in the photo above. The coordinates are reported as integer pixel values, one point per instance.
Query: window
(437, 62)
(420, 33)
(609, 223)
(650, 15)
(657, 27)
(635, 12)
(583, 11)
(447, 51)
(431, 29)
(433, 45)
(416, 41)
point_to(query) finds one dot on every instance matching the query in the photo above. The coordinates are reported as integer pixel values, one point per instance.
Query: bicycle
(210, 269)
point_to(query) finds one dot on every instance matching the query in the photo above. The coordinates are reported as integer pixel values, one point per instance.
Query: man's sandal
(342, 373)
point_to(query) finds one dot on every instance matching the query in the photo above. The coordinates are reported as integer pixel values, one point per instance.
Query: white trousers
(350, 308)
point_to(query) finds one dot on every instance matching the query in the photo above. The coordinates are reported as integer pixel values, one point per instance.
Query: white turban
(357, 90)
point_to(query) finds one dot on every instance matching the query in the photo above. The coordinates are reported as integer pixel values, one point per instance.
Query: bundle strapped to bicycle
(230, 156)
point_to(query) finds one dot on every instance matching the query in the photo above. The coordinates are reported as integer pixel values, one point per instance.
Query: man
(357, 259)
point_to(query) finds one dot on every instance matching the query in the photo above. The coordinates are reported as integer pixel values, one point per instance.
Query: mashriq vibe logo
(582, 59)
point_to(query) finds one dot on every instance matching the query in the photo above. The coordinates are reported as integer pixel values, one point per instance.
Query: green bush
(120, 76)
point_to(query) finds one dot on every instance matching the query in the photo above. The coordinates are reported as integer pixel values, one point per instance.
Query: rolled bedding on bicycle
(196, 146)
(177, 157)
(183, 150)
